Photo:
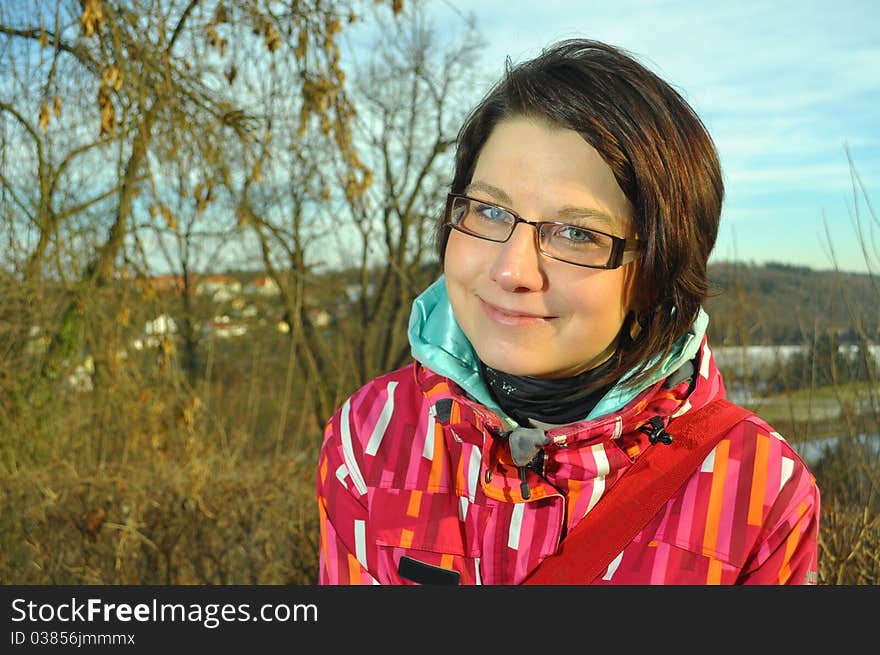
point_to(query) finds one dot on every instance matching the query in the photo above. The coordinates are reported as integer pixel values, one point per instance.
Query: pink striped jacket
(414, 486)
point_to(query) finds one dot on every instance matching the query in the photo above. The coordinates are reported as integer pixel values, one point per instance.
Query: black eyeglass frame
(619, 245)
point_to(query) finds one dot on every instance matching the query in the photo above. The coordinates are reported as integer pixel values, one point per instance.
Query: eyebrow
(566, 213)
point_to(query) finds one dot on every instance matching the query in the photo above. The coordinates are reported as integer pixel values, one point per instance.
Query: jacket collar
(576, 453)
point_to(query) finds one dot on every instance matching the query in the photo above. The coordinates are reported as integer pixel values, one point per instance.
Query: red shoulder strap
(639, 494)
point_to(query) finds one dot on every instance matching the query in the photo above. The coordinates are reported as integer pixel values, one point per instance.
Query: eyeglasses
(573, 244)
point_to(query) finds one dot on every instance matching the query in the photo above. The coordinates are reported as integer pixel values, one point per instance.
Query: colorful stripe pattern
(401, 474)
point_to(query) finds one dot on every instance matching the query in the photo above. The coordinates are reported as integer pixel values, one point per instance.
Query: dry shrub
(255, 524)
(849, 547)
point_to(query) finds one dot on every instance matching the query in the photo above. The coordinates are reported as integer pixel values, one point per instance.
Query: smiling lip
(511, 317)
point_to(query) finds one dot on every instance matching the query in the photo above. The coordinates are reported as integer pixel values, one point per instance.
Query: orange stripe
(446, 561)
(354, 570)
(575, 489)
(406, 537)
(713, 575)
(791, 544)
(716, 497)
(759, 481)
(439, 389)
(324, 467)
(415, 501)
(322, 516)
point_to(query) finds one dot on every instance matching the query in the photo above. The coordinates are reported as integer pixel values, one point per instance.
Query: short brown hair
(662, 158)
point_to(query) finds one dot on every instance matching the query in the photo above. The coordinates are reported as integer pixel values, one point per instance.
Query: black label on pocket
(423, 573)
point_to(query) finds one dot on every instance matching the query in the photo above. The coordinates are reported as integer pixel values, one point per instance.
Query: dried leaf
(45, 117)
(169, 217)
(273, 39)
(91, 524)
(302, 45)
(108, 112)
(111, 77)
(220, 15)
(123, 316)
(92, 18)
(44, 38)
(56, 106)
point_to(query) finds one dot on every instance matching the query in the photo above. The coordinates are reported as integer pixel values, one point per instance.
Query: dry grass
(145, 524)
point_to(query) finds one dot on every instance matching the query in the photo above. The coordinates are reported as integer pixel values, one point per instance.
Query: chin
(513, 365)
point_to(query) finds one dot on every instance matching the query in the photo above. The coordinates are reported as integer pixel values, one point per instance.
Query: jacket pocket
(433, 530)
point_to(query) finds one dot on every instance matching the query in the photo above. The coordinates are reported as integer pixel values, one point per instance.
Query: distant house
(166, 283)
(154, 330)
(262, 286)
(224, 327)
(221, 288)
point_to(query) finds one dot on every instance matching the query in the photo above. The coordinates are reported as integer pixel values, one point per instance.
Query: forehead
(541, 169)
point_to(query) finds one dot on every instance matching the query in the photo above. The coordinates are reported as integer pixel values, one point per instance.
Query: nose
(517, 265)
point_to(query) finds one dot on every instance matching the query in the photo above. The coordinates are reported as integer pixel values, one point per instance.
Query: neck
(556, 401)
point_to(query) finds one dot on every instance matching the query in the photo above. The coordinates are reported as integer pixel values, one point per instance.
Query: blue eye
(576, 234)
(572, 236)
(492, 213)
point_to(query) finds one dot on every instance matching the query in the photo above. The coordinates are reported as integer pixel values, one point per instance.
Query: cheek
(461, 259)
(603, 297)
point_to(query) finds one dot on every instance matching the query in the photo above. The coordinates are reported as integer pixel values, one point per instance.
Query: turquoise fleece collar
(436, 340)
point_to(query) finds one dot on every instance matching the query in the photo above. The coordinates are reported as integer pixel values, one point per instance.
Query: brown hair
(662, 157)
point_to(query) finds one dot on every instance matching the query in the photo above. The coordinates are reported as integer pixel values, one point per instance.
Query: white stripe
(787, 469)
(598, 490)
(428, 449)
(603, 468)
(515, 525)
(613, 567)
(685, 406)
(473, 473)
(618, 428)
(382, 422)
(704, 362)
(709, 463)
(479, 578)
(341, 474)
(360, 543)
(348, 451)
(463, 505)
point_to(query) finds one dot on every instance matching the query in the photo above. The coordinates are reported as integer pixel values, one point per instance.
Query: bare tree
(103, 94)
(370, 222)
(412, 95)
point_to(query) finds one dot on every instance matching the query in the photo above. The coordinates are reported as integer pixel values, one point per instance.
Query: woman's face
(525, 313)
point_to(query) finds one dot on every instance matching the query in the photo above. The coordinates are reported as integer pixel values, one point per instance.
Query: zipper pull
(523, 485)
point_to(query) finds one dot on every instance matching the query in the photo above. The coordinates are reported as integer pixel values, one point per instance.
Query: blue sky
(783, 87)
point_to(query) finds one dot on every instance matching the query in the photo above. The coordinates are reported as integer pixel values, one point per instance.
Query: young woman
(564, 335)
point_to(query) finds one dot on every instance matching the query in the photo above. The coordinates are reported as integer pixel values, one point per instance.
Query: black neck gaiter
(555, 401)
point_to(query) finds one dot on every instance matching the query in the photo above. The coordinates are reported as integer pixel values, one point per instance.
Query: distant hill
(784, 304)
